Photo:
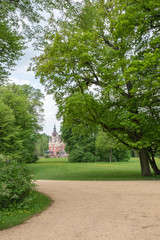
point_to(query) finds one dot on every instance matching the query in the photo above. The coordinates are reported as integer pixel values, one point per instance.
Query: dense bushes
(29, 157)
(113, 155)
(78, 154)
(15, 184)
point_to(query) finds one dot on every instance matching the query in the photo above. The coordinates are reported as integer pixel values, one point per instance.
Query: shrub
(15, 184)
(122, 154)
(28, 157)
(35, 158)
(80, 155)
(89, 157)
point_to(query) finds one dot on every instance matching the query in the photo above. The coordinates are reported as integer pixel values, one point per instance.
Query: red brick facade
(56, 146)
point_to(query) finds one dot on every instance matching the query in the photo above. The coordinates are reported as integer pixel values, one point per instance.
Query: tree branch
(107, 42)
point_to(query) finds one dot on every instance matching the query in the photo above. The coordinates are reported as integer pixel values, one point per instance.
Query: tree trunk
(110, 155)
(135, 153)
(153, 164)
(144, 160)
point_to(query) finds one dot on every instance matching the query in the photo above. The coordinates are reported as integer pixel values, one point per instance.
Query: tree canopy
(10, 144)
(86, 144)
(42, 144)
(101, 61)
(19, 23)
(19, 122)
(80, 143)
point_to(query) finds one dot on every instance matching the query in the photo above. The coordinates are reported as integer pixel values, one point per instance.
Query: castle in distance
(56, 146)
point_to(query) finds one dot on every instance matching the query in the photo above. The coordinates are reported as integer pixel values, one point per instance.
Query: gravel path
(123, 210)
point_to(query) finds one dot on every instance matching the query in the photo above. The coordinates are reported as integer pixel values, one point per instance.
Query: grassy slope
(61, 169)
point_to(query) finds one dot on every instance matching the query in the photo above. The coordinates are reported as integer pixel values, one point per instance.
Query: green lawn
(61, 169)
(12, 217)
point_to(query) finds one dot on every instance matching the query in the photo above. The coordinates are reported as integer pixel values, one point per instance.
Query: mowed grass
(13, 217)
(61, 169)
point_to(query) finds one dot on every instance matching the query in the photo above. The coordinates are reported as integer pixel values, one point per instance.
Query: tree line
(92, 145)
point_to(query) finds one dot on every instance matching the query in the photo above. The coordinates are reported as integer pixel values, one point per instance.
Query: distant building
(56, 146)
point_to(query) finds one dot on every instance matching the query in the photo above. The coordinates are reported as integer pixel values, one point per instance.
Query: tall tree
(110, 149)
(10, 143)
(101, 61)
(35, 98)
(80, 143)
(42, 144)
(21, 104)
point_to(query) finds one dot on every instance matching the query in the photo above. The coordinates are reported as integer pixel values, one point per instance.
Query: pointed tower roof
(54, 130)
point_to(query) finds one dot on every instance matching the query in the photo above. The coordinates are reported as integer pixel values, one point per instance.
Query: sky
(21, 76)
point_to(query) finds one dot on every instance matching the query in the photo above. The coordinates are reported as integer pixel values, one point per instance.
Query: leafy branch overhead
(101, 61)
(19, 23)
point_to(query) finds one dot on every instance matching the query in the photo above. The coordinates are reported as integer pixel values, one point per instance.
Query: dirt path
(94, 211)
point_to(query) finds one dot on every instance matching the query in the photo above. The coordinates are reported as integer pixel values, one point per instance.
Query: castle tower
(54, 131)
(56, 146)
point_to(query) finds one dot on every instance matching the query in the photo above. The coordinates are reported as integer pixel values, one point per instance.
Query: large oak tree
(101, 61)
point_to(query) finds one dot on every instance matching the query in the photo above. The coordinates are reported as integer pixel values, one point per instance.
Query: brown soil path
(123, 210)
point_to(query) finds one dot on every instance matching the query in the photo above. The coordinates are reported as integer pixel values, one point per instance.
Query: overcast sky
(21, 76)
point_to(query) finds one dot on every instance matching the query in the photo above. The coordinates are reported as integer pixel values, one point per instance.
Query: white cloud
(20, 81)
(50, 111)
(21, 76)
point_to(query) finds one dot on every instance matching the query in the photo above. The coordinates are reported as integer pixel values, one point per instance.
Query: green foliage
(10, 144)
(19, 22)
(121, 154)
(113, 155)
(101, 61)
(109, 149)
(20, 123)
(86, 144)
(42, 144)
(29, 154)
(15, 185)
(80, 143)
(12, 217)
(78, 154)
